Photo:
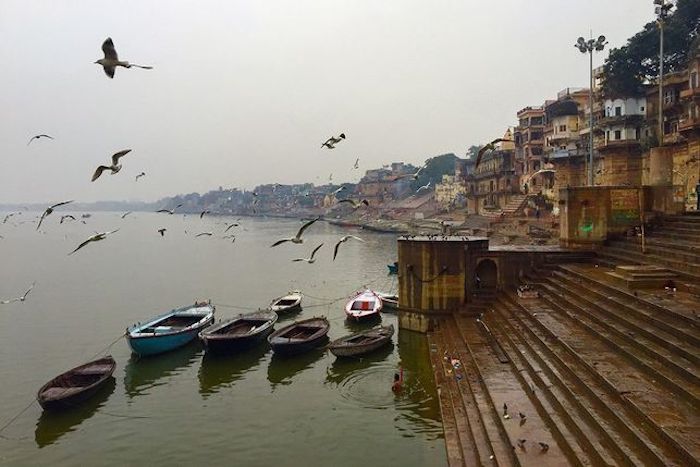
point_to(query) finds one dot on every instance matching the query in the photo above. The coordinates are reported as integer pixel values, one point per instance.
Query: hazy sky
(245, 92)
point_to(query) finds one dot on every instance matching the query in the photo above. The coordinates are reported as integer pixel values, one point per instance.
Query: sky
(245, 92)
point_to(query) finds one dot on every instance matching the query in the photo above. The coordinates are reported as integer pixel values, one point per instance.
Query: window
(641, 108)
(694, 79)
(669, 96)
(618, 134)
(562, 127)
(637, 133)
(618, 111)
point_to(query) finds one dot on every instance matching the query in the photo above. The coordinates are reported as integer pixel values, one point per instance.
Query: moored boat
(362, 342)
(170, 330)
(300, 336)
(287, 303)
(365, 305)
(389, 301)
(240, 332)
(76, 385)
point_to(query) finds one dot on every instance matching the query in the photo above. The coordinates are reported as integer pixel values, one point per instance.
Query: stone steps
(668, 250)
(630, 252)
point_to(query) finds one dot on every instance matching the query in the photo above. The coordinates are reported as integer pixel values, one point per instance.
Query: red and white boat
(363, 306)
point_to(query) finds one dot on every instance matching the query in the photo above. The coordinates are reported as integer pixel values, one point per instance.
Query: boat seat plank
(94, 370)
(54, 393)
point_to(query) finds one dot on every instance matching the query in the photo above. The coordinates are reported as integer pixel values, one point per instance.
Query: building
(494, 181)
(529, 142)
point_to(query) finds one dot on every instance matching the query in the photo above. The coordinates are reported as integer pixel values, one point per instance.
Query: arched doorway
(487, 272)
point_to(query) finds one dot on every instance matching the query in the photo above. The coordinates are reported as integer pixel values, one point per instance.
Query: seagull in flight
(489, 147)
(332, 141)
(115, 167)
(111, 60)
(39, 136)
(170, 211)
(67, 216)
(206, 211)
(126, 214)
(49, 210)
(355, 204)
(342, 187)
(95, 238)
(424, 187)
(414, 176)
(19, 299)
(343, 240)
(162, 232)
(357, 164)
(208, 234)
(142, 174)
(230, 226)
(312, 259)
(297, 238)
(7, 217)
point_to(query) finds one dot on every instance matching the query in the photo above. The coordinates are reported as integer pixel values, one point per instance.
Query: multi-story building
(529, 141)
(384, 184)
(494, 181)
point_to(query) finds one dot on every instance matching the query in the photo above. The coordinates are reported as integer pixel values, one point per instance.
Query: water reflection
(143, 374)
(218, 372)
(283, 368)
(52, 425)
(422, 408)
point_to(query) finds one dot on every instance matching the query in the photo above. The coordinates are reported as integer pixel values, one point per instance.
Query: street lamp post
(588, 46)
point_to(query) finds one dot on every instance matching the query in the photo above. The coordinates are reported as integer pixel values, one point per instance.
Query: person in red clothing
(398, 381)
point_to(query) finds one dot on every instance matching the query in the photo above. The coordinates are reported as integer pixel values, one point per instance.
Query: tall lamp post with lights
(588, 46)
(662, 10)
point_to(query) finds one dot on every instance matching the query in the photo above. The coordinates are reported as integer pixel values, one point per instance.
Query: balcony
(690, 93)
(688, 123)
(620, 120)
(602, 145)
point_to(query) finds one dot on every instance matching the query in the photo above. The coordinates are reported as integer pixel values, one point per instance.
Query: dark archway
(487, 272)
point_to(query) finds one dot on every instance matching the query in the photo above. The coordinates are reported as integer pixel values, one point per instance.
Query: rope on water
(106, 349)
(12, 420)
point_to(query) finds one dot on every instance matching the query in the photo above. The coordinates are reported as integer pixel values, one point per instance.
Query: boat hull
(76, 385)
(232, 344)
(154, 345)
(340, 348)
(286, 348)
(364, 307)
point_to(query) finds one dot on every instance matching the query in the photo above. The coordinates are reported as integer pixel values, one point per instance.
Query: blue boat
(170, 330)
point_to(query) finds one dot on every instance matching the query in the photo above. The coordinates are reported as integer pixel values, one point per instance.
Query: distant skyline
(245, 92)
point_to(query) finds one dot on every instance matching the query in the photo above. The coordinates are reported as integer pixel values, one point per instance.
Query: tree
(635, 64)
(473, 151)
(435, 168)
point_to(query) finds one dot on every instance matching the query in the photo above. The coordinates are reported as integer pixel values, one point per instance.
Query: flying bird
(49, 210)
(95, 238)
(355, 204)
(111, 60)
(162, 232)
(343, 240)
(115, 167)
(206, 211)
(142, 174)
(67, 216)
(18, 299)
(230, 226)
(312, 259)
(126, 214)
(170, 211)
(297, 238)
(414, 176)
(7, 217)
(339, 190)
(357, 164)
(489, 147)
(39, 136)
(208, 234)
(332, 141)
(424, 187)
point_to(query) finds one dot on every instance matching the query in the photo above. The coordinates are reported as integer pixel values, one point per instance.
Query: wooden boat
(364, 306)
(74, 386)
(170, 330)
(287, 303)
(300, 336)
(240, 332)
(390, 301)
(363, 342)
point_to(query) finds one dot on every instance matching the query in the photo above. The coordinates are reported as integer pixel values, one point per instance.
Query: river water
(182, 408)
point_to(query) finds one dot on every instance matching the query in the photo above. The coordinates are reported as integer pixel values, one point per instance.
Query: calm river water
(183, 408)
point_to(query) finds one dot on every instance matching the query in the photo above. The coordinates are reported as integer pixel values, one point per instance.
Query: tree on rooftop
(435, 168)
(635, 64)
